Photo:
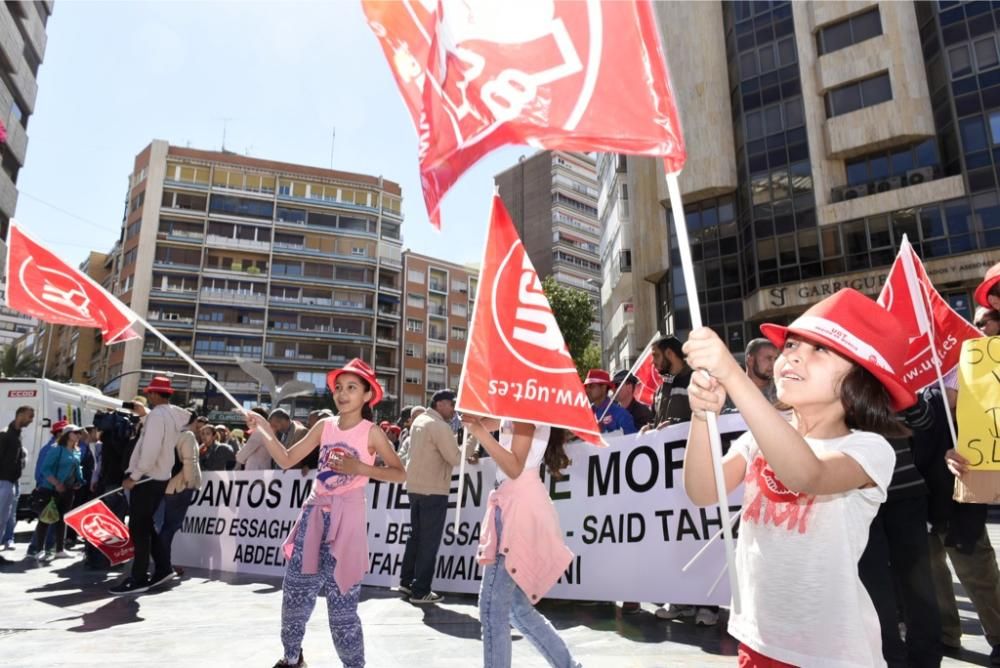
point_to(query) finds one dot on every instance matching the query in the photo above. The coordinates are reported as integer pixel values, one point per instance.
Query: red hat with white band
(992, 278)
(361, 370)
(860, 330)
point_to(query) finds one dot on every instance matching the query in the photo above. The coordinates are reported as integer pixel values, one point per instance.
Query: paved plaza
(62, 615)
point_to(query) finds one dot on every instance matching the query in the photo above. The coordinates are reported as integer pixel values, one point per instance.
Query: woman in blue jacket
(61, 475)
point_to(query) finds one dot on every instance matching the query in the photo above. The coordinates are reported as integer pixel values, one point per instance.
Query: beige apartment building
(439, 299)
(817, 137)
(295, 267)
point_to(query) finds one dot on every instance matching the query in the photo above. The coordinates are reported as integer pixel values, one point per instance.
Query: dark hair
(366, 410)
(280, 413)
(671, 343)
(162, 395)
(259, 411)
(995, 290)
(193, 418)
(23, 409)
(867, 406)
(555, 457)
(757, 344)
(64, 437)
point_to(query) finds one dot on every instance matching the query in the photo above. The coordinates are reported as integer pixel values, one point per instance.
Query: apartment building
(295, 267)
(439, 299)
(552, 199)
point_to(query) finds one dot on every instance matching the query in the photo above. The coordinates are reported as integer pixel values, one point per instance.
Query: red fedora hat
(860, 330)
(159, 384)
(599, 377)
(362, 370)
(992, 278)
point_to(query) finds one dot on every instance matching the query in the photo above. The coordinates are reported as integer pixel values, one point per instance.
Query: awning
(388, 299)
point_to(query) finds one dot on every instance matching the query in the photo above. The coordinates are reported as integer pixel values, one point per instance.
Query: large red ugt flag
(516, 363)
(574, 75)
(910, 296)
(101, 528)
(41, 285)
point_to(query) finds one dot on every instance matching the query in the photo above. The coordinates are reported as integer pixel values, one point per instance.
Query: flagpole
(715, 439)
(187, 358)
(461, 477)
(635, 365)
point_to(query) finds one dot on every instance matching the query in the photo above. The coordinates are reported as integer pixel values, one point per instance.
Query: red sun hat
(992, 278)
(862, 331)
(361, 370)
(58, 426)
(599, 377)
(159, 384)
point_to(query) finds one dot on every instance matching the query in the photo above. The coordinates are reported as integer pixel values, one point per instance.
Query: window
(457, 356)
(415, 301)
(414, 376)
(415, 326)
(461, 310)
(959, 61)
(849, 31)
(859, 94)
(414, 276)
(458, 333)
(414, 350)
(986, 53)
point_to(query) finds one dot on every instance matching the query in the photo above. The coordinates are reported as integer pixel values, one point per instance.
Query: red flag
(555, 74)
(649, 380)
(909, 294)
(101, 528)
(41, 285)
(516, 363)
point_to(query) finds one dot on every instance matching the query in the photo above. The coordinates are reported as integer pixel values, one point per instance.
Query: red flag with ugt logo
(101, 528)
(649, 380)
(910, 296)
(41, 285)
(573, 75)
(516, 362)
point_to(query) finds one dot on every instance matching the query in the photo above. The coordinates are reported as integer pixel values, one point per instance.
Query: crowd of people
(832, 433)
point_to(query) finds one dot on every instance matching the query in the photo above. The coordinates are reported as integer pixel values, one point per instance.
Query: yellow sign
(979, 403)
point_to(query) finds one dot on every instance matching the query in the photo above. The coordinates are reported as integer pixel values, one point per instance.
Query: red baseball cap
(599, 377)
(58, 426)
(362, 370)
(860, 330)
(992, 278)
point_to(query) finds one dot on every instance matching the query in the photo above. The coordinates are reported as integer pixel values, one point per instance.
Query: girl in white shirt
(812, 484)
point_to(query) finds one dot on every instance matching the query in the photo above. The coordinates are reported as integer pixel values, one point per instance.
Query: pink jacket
(531, 541)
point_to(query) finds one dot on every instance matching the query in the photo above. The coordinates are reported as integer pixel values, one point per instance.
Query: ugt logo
(60, 293)
(523, 318)
(104, 531)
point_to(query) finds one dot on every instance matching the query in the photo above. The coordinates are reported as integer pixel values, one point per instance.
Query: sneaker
(631, 608)
(161, 578)
(675, 611)
(62, 554)
(429, 597)
(706, 617)
(301, 663)
(404, 590)
(47, 556)
(32, 555)
(128, 586)
(179, 571)
(9, 546)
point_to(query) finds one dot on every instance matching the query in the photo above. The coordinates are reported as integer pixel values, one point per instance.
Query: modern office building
(821, 135)
(295, 267)
(22, 47)
(439, 298)
(552, 199)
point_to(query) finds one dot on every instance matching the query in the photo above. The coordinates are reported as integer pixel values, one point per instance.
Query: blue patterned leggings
(299, 593)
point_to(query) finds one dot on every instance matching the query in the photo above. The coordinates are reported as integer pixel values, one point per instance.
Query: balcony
(390, 288)
(251, 273)
(434, 309)
(176, 266)
(233, 297)
(437, 286)
(173, 293)
(217, 241)
(171, 320)
(391, 255)
(180, 236)
(393, 313)
(437, 335)
(326, 333)
(255, 327)
(437, 360)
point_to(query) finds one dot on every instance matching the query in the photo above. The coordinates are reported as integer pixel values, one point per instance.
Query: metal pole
(48, 349)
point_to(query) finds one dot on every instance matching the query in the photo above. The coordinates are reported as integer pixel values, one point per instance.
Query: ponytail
(366, 413)
(555, 457)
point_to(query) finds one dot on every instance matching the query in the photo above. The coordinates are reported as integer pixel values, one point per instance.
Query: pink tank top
(334, 441)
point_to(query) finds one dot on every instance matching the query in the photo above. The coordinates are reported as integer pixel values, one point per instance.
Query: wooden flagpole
(715, 439)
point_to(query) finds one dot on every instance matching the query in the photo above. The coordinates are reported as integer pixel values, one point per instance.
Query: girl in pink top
(328, 545)
(521, 542)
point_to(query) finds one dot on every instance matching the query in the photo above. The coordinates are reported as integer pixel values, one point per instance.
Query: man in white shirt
(151, 463)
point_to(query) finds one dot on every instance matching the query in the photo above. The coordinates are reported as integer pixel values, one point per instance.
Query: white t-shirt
(797, 558)
(539, 442)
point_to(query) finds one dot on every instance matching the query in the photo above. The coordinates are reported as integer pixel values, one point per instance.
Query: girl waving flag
(812, 485)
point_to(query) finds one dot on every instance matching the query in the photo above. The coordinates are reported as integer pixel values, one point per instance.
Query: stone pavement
(61, 615)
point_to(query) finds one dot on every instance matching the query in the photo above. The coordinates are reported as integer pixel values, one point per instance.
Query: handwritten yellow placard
(979, 403)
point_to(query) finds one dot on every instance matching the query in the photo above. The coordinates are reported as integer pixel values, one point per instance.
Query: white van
(52, 402)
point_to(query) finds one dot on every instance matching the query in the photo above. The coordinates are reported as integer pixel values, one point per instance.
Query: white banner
(623, 511)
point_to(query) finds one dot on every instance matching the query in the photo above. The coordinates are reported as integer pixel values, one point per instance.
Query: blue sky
(117, 75)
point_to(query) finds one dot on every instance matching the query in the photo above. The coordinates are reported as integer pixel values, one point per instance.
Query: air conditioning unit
(853, 192)
(920, 175)
(884, 185)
